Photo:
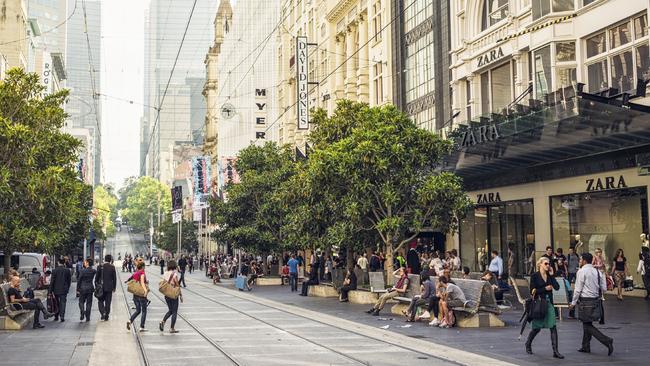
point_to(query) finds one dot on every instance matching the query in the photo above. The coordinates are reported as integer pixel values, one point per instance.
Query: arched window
(493, 12)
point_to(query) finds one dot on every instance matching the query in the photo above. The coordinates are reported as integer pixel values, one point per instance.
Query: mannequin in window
(644, 240)
(579, 244)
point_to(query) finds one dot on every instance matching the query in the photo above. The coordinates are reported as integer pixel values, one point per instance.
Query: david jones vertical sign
(302, 83)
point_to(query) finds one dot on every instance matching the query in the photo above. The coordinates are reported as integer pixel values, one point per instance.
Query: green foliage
(169, 236)
(254, 214)
(381, 167)
(141, 198)
(44, 204)
(104, 211)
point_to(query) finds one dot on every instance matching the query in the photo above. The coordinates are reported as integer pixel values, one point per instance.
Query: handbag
(52, 304)
(166, 288)
(135, 288)
(539, 307)
(628, 284)
(99, 287)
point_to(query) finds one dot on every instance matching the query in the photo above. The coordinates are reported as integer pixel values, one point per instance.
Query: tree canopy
(141, 198)
(44, 203)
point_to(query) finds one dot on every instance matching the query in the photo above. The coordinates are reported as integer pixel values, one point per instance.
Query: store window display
(609, 220)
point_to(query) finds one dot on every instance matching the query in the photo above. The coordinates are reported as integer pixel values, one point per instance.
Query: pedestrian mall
(555, 146)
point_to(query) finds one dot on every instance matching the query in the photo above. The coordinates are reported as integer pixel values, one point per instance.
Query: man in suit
(107, 278)
(60, 285)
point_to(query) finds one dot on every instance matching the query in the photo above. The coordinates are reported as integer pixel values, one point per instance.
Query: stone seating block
(268, 281)
(362, 297)
(18, 322)
(322, 291)
(478, 320)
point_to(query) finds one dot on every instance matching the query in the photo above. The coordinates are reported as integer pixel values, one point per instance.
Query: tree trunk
(7, 263)
(349, 257)
(388, 261)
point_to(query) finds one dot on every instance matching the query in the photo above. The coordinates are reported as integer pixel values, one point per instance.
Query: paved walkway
(627, 322)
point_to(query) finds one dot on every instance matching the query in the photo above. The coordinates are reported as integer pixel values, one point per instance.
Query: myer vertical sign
(302, 83)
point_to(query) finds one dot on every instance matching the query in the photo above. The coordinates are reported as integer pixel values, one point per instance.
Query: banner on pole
(202, 181)
(177, 198)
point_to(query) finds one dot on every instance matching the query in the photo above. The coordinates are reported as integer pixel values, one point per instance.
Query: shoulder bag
(591, 310)
(135, 288)
(167, 289)
(99, 287)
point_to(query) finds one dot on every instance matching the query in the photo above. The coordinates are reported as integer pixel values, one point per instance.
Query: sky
(122, 77)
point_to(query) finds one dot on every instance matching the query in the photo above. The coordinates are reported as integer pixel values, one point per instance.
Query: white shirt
(456, 263)
(168, 274)
(587, 283)
(496, 265)
(363, 263)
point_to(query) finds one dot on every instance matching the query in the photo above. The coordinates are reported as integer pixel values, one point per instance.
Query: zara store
(550, 150)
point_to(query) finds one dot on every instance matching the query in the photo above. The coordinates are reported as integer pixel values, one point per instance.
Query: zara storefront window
(501, 226)
(610, 220)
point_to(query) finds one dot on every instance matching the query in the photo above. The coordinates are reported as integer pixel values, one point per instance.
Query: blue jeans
(293, 281)
(140, 307)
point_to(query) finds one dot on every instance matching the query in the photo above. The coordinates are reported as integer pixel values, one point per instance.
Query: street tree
(43, 200)
(104, 208)
(169, 236)
(382, 170)
(142, 201)
(253, 214)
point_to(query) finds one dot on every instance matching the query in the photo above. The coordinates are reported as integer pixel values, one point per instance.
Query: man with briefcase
(588, 298)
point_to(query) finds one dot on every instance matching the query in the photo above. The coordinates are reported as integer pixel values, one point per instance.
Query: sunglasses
(546, 263)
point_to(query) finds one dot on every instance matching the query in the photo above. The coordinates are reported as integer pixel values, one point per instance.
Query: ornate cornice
(339, 10)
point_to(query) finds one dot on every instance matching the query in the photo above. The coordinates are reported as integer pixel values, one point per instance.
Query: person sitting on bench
(349, 284)
(15, 297)
(452, 297)
(398, 290)
(428, 289)
(313, 280)
(489, 277)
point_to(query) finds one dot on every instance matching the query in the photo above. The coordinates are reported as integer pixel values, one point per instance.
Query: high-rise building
(241, 84)
(175, 107)
(83, 52)
(350, 57)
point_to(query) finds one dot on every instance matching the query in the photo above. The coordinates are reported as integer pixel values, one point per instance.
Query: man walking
(106, 278)
(60, 285)
(182, 265)
(588, 293)
(293, 273)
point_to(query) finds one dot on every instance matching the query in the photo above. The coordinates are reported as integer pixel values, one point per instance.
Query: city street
(221, 326)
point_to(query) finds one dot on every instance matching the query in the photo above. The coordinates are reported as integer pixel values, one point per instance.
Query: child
(285, 274)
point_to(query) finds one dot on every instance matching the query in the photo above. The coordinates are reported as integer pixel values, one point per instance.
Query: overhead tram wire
(340, 65)
(162, 100)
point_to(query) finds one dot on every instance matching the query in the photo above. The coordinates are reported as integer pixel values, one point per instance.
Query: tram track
(144, 358)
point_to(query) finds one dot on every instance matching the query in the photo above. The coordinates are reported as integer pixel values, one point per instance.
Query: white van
(23, 262)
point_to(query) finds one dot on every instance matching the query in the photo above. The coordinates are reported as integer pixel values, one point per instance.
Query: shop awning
(569, 128)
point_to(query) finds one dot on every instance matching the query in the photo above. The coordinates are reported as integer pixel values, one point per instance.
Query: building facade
(350, 57)
(14, 34)
(174, 106)
(241, 86)
(421, 67)
(83, 61)
(47, 18)
(553, 133)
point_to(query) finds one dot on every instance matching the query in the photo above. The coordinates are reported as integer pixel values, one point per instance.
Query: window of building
(541, 8)
(608, 220)
(565, 51)
(587, 2)
(416, 12)
(468, 94)
(378, 83)
(497, 88)
(542, 73)
(618, 56)
(419, 68)
(494, 11)
(376, 21)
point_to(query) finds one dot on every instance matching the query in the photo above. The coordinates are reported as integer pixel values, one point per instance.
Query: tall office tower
(83, 64)
(179, 119)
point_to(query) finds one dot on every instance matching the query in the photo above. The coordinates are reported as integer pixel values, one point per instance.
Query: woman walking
(139, 301)
(85, 289)
(173, 278)
(542, 284)
(619, 272)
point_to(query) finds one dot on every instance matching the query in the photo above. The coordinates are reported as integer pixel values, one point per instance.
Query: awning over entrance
(571, 127)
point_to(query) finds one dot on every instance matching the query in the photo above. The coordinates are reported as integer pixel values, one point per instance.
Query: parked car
(24, 262)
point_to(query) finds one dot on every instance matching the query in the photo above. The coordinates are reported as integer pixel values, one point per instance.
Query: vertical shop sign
(302, 83)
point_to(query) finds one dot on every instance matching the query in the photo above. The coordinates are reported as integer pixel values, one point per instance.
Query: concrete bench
(322, 291)
(12, 317)
(268, 281)
(360, 296)
(471, 275)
